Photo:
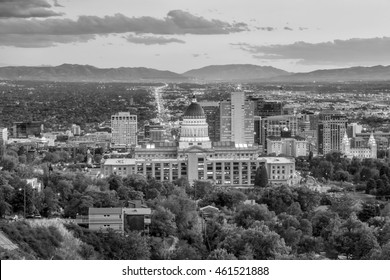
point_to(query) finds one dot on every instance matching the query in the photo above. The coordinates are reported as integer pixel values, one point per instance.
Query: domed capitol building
(195, 157)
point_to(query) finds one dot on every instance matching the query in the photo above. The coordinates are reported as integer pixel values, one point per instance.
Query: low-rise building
(135, 217)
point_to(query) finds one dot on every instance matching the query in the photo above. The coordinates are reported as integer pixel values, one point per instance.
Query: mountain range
(212, 73)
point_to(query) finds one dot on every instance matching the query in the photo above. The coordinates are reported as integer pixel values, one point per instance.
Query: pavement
(6, 243)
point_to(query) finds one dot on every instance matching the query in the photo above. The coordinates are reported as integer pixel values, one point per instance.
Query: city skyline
(296, 36)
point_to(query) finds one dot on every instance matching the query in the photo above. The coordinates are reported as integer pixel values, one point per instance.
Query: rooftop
(119, 161)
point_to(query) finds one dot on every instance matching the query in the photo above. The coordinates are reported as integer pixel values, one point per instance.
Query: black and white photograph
(195, 132)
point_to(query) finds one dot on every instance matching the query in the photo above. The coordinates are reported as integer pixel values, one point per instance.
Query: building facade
(120, 219)
(75, 129)
(195, 157)
(275, 125)
(212, 112)
(365, 149)
(124, 129)
(26, 129)
(237, 119)
(332, 126)
(295, 147)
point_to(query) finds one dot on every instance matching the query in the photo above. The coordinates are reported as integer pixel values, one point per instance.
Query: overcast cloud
(27, 8)
(151, 40)
(352, 51)
(177, 22)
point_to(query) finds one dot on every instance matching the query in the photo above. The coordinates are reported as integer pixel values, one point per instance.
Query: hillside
(86, 73)
(375, 73)
(227, 73)
(238, 72)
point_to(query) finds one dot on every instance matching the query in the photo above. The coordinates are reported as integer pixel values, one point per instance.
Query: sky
(180, 35)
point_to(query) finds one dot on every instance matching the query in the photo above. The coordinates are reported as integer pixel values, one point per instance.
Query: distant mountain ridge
(226, 73)
(79, 73)
(231, 72)
(359, 73)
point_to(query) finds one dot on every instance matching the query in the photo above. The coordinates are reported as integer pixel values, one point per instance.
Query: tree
(341, 176)
(307, 198)
(50, 202)
(9, 163)
(202, 188)
(261, 177)
(186, 251)
(325, 169)
(344, 205)
(370, 186)
(246, 215)
(115, 182)
(163, 222)
(369, 210)
(278, 199)
(324, 223)
(221, 254)
(131, 246)
(354, 239)
(266, 244)
(223, 197)
(5, 197)
(125, 193)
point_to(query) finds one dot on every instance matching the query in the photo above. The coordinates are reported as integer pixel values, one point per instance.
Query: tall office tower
(353, 128)
(257, 130)
(266, 108)
(275, 125)
(332, 125)
(211, 110)
(124, 129)
(237, 119)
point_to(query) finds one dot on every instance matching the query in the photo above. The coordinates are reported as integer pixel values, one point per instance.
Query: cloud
(41, 41)
(338, 52)
(150, 40)
(26, 9)
(267, 28)
(176, 22)
(57, 4)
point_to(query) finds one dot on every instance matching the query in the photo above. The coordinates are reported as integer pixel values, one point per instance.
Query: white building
(294, 146)
(124, 129)
(368, 151)
(75, 129)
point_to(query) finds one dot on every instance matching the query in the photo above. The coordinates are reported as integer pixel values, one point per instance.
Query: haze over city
(296, 36)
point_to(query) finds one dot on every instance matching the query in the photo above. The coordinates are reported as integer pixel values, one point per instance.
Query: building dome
(194, 110)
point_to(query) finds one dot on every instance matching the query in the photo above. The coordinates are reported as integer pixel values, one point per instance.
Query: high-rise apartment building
(124, 129)
(212, 112)
(237, 119)
(332, 125)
